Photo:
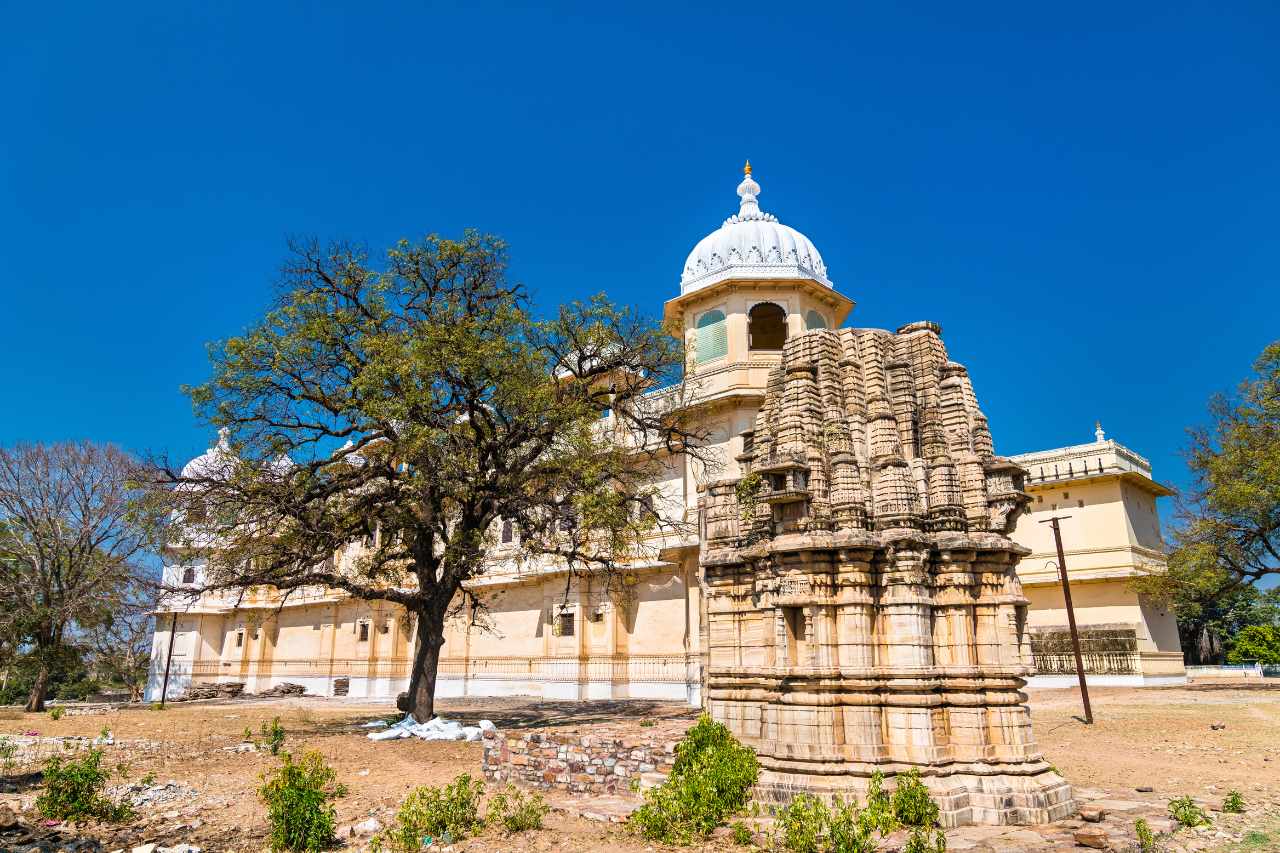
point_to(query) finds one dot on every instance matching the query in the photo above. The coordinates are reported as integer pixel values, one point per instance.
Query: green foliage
(273, 735)
(148, 779)
(56, 713)
(1228, 532)
(68, 677)
(158, 706)
(247, 734)
(8, 754)
(711, 779)
(1259, 643)
(298, 796)
(924, 840)
(74, 791)
(1233, 803)
(449, 813)
(1146, 838)
(912, 805)
(802, 825)
(808, 825)
(1185, 811)
(516, 811)
(741, 834)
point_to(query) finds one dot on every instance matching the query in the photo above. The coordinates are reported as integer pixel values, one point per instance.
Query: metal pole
(1071, 615)
(173, 628)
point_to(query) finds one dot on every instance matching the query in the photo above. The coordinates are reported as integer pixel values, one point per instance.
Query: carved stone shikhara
(863, 612)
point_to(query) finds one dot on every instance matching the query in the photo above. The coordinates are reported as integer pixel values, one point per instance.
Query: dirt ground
(1163, 738)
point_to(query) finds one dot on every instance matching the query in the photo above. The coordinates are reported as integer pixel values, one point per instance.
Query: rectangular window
(239, 639)
(566, 624)
(364, 631)
(796, 644)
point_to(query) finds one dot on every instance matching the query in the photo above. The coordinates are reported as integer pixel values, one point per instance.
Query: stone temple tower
(862, 611)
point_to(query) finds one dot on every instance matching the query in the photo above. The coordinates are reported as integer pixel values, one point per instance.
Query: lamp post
(1071, 614)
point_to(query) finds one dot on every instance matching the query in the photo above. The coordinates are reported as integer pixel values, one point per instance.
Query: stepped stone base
(964, 799)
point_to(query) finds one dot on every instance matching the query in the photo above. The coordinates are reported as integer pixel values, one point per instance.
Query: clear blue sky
(1087, 198)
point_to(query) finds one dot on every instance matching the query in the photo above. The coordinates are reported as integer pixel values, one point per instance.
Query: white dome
(752, 244)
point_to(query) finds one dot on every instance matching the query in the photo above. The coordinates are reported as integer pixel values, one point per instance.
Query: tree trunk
(421, 699)
(35, 702)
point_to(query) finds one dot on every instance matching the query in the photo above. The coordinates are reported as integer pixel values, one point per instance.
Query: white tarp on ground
(435, 729)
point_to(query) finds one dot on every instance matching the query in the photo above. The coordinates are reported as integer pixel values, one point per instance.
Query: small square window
(566, 624)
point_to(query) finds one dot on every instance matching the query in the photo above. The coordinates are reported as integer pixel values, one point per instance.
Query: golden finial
(746, 170)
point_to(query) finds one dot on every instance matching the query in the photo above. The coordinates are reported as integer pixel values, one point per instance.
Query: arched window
(508, 533)
(712, 341)
(767, 326)
(814, 320)
(188, 575)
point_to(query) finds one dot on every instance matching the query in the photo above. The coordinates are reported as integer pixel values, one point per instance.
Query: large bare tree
(74, 529)
(419, 407)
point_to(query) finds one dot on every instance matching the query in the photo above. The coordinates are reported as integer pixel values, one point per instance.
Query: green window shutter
(712, 340)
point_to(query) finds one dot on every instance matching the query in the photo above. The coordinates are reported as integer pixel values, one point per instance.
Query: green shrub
(1146, 838)
(912, 805)
(924, 840)
(516, 811)
(1185, 811)
(297, 797)
(156, 706)
(8, 754)
(273, 735)
(55, 713)
(74, 791)
(1233, 803)
(711, 778)
(808, 825)
(148, 780)
(741, 834)
(450, 813)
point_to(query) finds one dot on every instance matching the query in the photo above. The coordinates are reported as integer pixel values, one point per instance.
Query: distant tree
(119, 641)
(1227, 532)
(1259, 643)
(416, 408)
(74, 527)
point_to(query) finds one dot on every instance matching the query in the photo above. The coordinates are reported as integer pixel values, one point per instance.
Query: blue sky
(1085, 197)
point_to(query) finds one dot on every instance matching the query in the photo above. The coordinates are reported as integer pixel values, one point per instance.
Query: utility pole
(1071, 614)
(173, 627)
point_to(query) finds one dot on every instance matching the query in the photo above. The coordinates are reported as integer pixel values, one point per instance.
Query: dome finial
(1098, 433)
(747, 191)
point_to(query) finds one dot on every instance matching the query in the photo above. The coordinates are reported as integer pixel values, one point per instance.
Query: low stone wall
(591, 760)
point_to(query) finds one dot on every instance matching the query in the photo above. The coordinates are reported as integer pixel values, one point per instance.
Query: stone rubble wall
(600, 762)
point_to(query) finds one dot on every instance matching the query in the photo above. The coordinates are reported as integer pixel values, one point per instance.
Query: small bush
(711, 779)
(273, 735)
(450, 813)
(74, 791)
(923, 840)
(741, 833)
(516, 811)
(1146, 838)
(55, 713)
(8, 754)
(1185, 811)
(1233, 803)
(801, 826)
(156, 706)
(297, 797)
(912, 805)
(148, 780)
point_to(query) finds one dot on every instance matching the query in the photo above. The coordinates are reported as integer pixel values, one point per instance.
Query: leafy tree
(418, 408)
(1227, 535)
(74, 527)
(1259, 643)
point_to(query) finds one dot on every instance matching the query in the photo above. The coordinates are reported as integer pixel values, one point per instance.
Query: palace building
(905, 448)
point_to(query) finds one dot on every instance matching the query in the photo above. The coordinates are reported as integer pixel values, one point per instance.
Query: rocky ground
(194, 782)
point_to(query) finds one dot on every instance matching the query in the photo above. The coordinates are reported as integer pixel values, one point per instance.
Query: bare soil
(1161, 738)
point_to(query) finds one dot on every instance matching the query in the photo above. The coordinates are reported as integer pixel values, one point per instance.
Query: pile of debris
(18, 836)
(435, 729)
(164, 794)
(284, 688)
(212, 690)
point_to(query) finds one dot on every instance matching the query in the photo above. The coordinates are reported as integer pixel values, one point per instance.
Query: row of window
(766, 330)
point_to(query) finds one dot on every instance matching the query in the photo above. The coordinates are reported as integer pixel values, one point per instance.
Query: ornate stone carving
(862, 607)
